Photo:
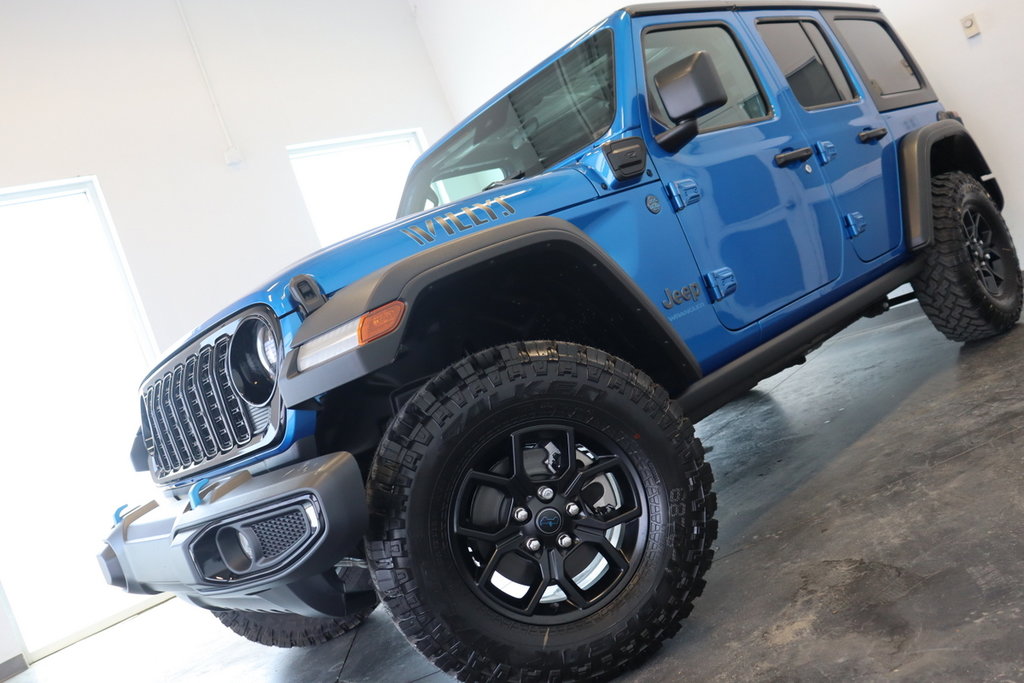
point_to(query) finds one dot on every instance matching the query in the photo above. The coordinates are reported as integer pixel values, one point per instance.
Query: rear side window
(808, 62)
(665, 47)
(883, 61)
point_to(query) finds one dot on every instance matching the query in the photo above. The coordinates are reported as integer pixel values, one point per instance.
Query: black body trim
(306, 293)
(715, 390)
(917, 167)
(149, 550)
(653, 8)
(626, 157)
(408, 278)
(869, 136)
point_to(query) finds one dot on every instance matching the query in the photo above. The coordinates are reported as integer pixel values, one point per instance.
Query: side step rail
(713, 391)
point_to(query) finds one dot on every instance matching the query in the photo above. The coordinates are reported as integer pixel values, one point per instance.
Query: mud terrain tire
(474, 467)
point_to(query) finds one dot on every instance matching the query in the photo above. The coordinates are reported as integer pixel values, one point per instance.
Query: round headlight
(266, 348)
(253, 359)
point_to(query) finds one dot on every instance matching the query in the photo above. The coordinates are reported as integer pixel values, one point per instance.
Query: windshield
(566, 106)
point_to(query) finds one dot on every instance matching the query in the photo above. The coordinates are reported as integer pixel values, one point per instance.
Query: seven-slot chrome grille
(193, 417)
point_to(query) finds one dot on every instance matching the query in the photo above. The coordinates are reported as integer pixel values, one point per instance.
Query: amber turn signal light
(380, 321)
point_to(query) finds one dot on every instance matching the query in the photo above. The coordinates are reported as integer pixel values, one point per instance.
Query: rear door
(763, 234)
(846, 131)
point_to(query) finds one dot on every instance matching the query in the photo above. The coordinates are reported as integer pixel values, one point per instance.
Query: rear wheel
(540, 511)
(970, 285)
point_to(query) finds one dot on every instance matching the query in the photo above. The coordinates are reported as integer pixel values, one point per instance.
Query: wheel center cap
(548, 521)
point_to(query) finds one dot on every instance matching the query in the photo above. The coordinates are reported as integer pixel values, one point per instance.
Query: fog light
(251, 544)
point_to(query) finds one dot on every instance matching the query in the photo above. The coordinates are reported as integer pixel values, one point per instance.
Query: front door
(762, 227)
(846, 131)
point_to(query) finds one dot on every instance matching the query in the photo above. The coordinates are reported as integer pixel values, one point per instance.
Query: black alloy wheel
(539, 511)
(985, 247)
(549, 523)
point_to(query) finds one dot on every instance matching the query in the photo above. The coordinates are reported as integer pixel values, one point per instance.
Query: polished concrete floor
(872, 528)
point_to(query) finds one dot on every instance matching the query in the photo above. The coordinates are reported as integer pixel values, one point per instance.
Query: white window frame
(335, 145)
(309, 149)
(90, 186)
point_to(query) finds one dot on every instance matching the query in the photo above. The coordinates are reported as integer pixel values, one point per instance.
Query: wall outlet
(970, 26)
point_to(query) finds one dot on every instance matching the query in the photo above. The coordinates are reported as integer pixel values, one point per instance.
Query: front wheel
(289, 630)
(539, 511)
(970, 285)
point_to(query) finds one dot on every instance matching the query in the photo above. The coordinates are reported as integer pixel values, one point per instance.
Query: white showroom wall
(111, 88)
(978, 77)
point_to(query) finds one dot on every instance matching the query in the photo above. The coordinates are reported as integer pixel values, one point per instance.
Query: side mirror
(688, 89)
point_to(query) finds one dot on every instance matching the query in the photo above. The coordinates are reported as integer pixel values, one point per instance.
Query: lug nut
(572, 509)
(564, 540)
(545, 493)
(532, 544)
(520, 514)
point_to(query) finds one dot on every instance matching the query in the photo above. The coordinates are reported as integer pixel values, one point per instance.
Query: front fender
(406, 279)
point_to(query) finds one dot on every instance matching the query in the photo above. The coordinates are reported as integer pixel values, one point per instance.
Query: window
(354, 184)
(562, 109)
(666, 47)
(75, 353)
(883, 61)
(808, 62)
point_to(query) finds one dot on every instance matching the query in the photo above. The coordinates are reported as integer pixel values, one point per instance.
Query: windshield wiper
(518, 175)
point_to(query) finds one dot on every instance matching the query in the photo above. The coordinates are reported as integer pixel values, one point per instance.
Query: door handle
(786, 158)
(872, 135)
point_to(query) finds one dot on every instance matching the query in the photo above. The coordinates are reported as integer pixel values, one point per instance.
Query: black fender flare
(917, 166)
(406, 279)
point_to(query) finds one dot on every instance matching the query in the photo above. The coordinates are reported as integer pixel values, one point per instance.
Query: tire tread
(395, 466)
(947, 290)
(289, 630)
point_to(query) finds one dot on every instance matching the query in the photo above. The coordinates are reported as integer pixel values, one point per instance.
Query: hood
(336, 266)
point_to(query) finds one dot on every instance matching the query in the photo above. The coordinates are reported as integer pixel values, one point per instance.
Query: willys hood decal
(345, 262)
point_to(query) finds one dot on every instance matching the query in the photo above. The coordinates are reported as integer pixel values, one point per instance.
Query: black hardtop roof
(674, 7)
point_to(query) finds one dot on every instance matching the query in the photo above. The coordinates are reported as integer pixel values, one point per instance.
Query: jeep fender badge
(653, 204)
(674, 297)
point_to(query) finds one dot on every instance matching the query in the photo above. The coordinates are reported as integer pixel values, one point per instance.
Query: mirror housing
(688, 89)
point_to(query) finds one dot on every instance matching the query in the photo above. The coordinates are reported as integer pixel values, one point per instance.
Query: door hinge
(854, 224)
(683, 193)
(721, 283)
(826, 151)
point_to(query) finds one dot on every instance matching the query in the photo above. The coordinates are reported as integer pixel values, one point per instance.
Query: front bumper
(266, 542)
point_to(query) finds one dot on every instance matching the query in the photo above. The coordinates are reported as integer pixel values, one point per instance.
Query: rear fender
(926, 152)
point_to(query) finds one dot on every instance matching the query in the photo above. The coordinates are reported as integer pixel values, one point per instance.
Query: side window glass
(807, 61)
(882, 60)
(665, 47)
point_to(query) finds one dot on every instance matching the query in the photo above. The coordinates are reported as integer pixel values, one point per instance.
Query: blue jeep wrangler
(481, 414)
